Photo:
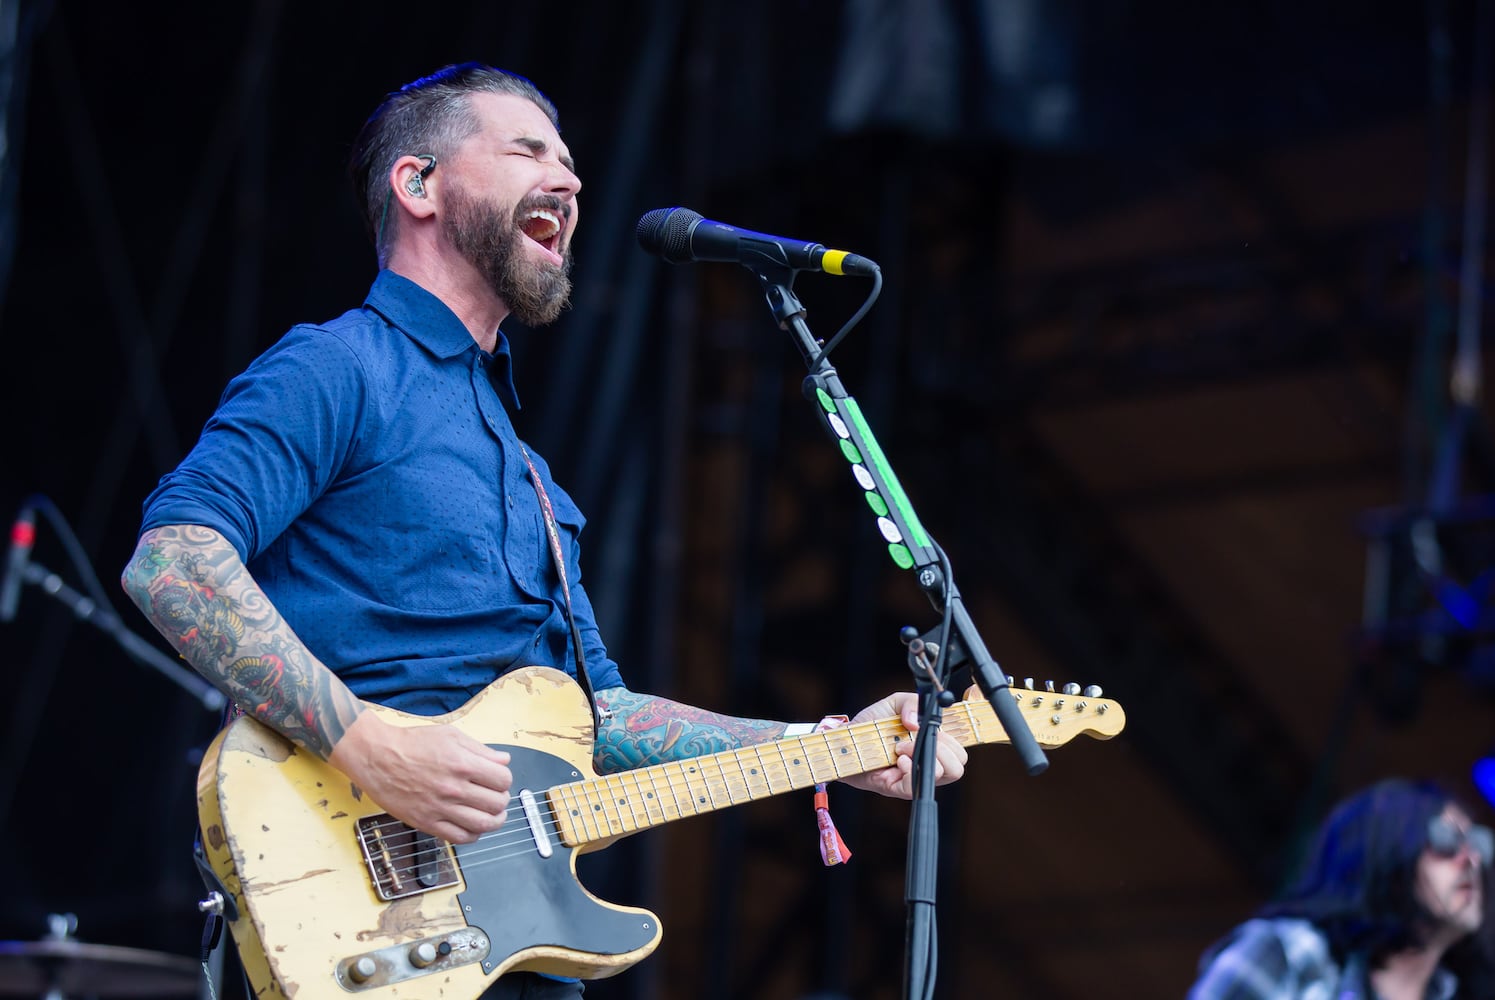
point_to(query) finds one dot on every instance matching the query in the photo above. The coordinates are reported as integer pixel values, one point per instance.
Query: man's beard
(490, 239)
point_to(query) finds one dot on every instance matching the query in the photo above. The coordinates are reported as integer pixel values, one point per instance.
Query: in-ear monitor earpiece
(416, 185)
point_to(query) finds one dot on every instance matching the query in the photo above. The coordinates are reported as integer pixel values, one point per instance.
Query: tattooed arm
(641, 729)
(191, 584)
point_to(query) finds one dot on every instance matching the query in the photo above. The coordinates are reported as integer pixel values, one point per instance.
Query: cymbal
(75, 968)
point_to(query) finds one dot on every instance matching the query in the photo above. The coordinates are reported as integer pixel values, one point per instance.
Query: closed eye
(537, 148)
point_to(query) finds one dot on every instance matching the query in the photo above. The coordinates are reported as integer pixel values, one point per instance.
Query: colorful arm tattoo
(195, 590)
(639, 729)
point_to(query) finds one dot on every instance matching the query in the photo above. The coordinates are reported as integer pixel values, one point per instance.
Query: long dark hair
(1358, 885)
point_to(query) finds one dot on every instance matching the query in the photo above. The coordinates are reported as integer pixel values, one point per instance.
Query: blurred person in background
(1390, 905)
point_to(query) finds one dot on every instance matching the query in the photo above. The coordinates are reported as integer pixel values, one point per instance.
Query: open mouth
(545, 227)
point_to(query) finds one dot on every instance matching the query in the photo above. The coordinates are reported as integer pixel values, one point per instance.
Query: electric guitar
(331, 897)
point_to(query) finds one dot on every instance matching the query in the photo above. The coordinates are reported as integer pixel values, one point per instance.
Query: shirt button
(510, 497)
(537, 642)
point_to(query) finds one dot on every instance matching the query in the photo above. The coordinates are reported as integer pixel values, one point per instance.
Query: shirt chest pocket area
(527, 549)
(451, 571)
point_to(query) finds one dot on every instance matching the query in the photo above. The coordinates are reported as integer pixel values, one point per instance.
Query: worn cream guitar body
(335, 898)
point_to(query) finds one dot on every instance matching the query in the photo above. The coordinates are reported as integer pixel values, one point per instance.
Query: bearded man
(359, 523)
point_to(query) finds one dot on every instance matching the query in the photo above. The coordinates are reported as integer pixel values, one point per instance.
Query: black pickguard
(527, 900)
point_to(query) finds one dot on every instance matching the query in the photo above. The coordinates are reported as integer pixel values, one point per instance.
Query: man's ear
(409, 184)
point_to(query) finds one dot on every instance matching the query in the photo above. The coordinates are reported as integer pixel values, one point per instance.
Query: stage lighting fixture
(1484, 776)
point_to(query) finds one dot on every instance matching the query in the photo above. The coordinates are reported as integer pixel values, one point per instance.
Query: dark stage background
(1173, 296)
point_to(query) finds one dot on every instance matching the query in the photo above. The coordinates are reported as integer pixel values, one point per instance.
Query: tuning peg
(1071, 688)
(1092, 691)
(1048, 686)
(1028, 683)
(1010, 681)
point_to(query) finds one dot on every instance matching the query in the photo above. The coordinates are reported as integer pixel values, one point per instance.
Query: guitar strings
(518, 834)
(518, 839)
(815, 750)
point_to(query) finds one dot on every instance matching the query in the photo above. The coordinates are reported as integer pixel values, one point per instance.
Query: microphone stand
(94, 610)
(88, 610)
(910, 548)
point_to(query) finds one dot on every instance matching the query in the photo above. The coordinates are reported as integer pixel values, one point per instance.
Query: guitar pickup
(401, 860)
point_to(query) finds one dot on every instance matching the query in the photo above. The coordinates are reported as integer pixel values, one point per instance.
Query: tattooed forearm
(639, 729)
(192, 586)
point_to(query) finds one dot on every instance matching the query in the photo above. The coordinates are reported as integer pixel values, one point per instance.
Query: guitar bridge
(402, 861)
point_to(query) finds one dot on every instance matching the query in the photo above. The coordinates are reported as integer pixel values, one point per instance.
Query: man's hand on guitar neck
(435, 778)
(898, 781)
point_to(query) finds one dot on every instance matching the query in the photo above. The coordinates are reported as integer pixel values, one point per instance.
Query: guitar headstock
(1055, 717)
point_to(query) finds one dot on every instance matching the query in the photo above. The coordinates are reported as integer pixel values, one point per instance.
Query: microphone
(22, 537)
(680, 235)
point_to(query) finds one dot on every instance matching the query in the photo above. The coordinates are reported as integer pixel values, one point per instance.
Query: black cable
(855, 319)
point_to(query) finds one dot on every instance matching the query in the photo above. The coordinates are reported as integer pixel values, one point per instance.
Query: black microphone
(680, 235)
(22, 537)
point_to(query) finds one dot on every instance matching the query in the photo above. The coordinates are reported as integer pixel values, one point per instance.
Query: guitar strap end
(212, 931)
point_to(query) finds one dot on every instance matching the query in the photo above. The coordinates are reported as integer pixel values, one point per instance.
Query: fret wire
(715, 762)
(638, 788)
(599, 804)
(579, 815)
(573, 814)
(611, 803)
(861, 761)
(747, 784)
(710, 799)
(602, 801)
(674, 794)
(763, 768)
(620, 788)
(554, 797)
(663, 806)
(831, 750)
(788, 767)
(645, 801)
(729, 779)
(596, 804)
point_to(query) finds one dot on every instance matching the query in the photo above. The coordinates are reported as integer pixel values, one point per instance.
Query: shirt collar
(430, 322)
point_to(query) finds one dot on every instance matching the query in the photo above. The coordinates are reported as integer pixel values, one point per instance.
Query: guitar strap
(558, 556)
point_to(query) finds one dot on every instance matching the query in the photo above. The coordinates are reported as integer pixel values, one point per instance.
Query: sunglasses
(1445, 838)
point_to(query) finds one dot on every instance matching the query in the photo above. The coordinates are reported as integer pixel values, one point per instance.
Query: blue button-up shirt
(368, 474)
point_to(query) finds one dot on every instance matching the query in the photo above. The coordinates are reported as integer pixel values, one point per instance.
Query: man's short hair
(432, 115)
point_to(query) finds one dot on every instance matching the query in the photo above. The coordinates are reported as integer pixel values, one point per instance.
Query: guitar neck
(624, 803)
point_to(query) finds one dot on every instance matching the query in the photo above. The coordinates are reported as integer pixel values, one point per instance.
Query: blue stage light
(1484, 777)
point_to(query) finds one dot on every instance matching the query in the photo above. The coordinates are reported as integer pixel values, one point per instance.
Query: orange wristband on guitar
(833, 850)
